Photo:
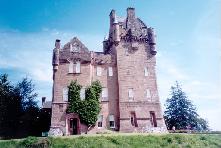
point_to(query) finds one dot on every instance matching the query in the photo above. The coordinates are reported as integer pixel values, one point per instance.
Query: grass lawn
(119, 140)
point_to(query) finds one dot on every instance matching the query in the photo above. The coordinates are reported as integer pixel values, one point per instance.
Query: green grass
(119, 141)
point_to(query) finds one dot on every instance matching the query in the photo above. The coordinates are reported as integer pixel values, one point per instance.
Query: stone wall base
(55, 131)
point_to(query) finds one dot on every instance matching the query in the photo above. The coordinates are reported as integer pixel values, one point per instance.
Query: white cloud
(31, 53)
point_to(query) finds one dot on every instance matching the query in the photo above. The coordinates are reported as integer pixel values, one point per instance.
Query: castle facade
(127, 71)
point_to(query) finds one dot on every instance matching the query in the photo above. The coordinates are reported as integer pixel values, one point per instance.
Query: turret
(130, 13)
(114, 33)
(152, 40)
(55, 60)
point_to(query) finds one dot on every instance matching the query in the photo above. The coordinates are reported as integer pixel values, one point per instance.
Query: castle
(126, 70)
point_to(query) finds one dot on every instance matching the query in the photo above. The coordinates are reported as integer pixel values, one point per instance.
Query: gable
(75, 50)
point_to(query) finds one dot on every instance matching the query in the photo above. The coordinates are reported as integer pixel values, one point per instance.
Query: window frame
(111, 120)
(99, 71)
(110, 71)
(65, 94)
(131, 94)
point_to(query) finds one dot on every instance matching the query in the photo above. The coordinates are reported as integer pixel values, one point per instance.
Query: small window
(111, 120)
(127, 52)
(71, 48)
(99, 71)
(71, 67)
(78, 67)
(65, 94)
(148, 95)
(82, 93)
(133, 119)
(100, 120)
(110, 71)
(130, 94)
(145, 72)
(104, 94)
(153, 120)
(61, 107)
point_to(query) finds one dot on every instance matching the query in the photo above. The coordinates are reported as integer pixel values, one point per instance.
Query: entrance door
(73, 126)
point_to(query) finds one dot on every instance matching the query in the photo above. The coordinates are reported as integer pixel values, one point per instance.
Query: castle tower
(133, 44)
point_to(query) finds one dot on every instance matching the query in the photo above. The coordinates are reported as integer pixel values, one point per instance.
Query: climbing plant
(89, 108)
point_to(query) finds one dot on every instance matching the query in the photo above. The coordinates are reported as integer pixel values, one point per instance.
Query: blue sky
(188, 42)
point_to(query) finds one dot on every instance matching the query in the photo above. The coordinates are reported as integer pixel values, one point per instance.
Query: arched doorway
(73, 125)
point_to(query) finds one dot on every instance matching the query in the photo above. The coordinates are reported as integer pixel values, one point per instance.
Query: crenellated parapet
(129, 30)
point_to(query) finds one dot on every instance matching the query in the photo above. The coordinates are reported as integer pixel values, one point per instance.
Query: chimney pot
(43, 99)
(57, 44)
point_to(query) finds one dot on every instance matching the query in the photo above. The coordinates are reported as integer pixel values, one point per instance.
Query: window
(71, 66)
(71, 48)
(104, 94)
(111, 121)
(82, 93)
(153, 120)
(145, 72)
(61, 107)
(130, 94)
(100, 120)
(65, 94)
(126, 51)
(78, 67)
(148, 95)
(99, 71)
(110, 71)
(133, 119)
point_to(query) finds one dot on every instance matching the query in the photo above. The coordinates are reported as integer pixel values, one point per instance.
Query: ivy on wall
(89, 108)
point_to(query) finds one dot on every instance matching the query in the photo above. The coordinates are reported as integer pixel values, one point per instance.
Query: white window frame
(65, 94)
(78, 67)
(131, 94)
(71, 48)
(146, 73)
(71, 67)
(104, 94)
(111, 119)
(110, 71)
(82, 93)
(99, 71)
(148, 94)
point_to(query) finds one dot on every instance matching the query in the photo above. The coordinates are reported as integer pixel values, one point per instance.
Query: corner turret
(152, 41)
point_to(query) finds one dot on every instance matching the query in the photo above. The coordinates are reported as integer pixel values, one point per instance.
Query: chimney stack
(43, 99)
(57, 44)
(131, 13)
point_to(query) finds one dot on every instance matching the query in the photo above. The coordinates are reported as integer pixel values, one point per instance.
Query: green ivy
(89, 108)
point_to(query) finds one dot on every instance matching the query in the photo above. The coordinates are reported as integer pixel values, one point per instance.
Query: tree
(29, 118)
(181, 113)
(89, 108)
(18, 109)
(10, 106)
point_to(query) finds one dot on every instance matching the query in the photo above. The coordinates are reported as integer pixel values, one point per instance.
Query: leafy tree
(29, 118)
(28, 96)
(89, 108)
(19, 111)
(10, 107)
(181, 113)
